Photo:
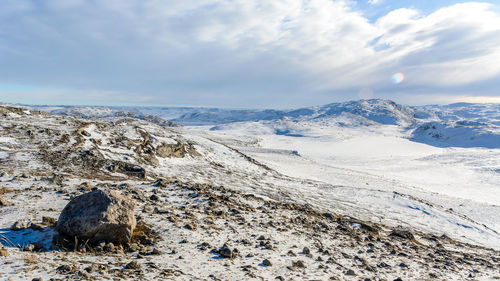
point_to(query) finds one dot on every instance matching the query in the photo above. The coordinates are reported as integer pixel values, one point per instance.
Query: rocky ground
(195, 220)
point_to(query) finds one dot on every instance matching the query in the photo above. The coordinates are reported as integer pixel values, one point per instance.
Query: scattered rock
(29, 248)
(98, 216)
(57, 179)
(48, 221)
(225, 252)
(306, 251)
(65, 269)
(20, 225)
(405, 234)
(97, 268)
(299, 264)
(266, 262)
(177, 150)
(36, 226)
(189, 226)
(133, 265)
(350, 272)
(85, 186)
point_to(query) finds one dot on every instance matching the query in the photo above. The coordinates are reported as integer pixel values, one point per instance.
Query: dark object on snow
(405, 234)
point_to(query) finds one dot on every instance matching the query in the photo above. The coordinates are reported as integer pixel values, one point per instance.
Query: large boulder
(100, 215)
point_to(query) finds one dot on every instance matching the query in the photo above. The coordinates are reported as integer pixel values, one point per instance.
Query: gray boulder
(100, 215)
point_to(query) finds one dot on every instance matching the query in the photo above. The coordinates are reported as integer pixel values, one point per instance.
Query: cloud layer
(244, 53)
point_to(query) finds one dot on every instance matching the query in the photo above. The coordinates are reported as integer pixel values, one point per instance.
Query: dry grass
(4, 190)
(7, 241)
(31, 259)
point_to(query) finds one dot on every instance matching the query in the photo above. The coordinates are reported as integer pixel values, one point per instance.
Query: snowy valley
(361, 190)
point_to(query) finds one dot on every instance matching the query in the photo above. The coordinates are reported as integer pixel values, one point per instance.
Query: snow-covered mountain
(454, 125)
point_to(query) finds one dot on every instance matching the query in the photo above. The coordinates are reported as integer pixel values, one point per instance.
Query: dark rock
(405, 234)
(133, 265)
(266, 262)
(350, 272)
(225, 252)
(306, 251)
(299, 264)
(190, 226)
(36, 226)
(65, 269)
(97, 268)
(154, 197)
(48, 221)
(98, 216)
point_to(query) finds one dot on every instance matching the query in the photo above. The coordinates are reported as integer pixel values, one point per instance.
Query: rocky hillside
(204, 211)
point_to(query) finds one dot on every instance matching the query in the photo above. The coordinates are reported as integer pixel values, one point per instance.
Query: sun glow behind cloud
(246, 53)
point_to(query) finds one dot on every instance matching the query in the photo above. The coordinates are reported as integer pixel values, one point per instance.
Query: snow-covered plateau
(361, 190)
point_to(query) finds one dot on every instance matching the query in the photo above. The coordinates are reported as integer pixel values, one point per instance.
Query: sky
(248, 54)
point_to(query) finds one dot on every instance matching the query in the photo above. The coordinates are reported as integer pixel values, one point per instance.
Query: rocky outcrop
(101, 215)
(177, 150)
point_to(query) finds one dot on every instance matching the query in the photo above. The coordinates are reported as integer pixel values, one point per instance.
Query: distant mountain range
(459, 124)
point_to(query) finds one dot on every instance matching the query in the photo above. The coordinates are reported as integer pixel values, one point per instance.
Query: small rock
(298, 264)
(97, 268)
(225, 252)
(36, 226)
(57, 179)
(306, 251)
(85, 186)
(405, 234)
(65, 269)
(189, 226)
(156, 252)
(29, 248)
(20, 225)
(48, 221)
(133, 265)
(266, 262)
(350, 272)
(154, 197)
(109, 247)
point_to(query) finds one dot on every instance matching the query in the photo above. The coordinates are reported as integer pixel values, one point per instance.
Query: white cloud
(243, 51)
